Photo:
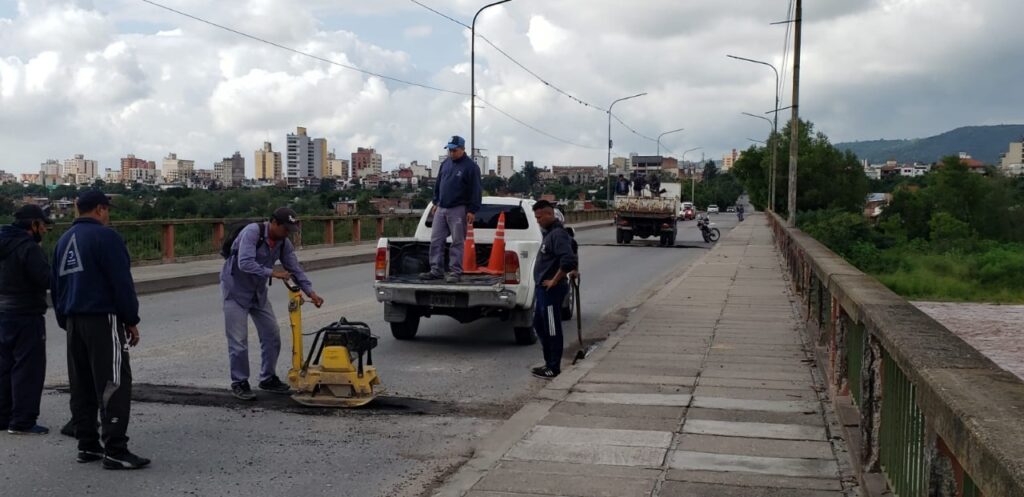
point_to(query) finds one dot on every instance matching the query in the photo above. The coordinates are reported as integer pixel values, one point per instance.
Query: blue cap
(89, 199)
(456, 142)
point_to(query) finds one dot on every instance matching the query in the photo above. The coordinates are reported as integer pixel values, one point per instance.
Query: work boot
(241, 391)
(453, 278)
(275, 385)
(430, 275)
(124, 460)
(33, 430)
(91, 453)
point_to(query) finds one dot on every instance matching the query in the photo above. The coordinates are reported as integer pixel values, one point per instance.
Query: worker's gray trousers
(236, 327)
(448, 222)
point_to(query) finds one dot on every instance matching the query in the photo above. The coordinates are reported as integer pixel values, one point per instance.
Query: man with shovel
(554, 263)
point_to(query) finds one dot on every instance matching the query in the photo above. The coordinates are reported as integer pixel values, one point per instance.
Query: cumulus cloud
(120, 76)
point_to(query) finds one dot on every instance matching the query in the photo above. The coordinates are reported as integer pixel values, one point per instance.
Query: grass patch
(989, 276)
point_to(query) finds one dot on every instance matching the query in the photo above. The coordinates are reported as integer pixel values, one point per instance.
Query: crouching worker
(554, 263)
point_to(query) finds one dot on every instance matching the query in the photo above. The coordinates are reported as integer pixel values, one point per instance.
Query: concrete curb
(170, 284)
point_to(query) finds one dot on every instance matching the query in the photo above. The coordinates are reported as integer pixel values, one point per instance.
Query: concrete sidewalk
(706, 391)
(176, 276)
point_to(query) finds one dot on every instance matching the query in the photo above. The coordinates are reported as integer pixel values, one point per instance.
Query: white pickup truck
(507, 297)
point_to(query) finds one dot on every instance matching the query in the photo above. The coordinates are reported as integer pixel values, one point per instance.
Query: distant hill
(984, 143)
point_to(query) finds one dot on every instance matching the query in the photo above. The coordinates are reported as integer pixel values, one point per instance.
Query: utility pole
(795, 123)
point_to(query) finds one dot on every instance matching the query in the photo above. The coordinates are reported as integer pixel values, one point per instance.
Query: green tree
(827, 177)
(519, 183)
(532, 175)
(493, 184)
(327, 185)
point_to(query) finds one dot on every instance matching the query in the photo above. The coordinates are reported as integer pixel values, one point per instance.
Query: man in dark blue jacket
(457, 198)
(554, 263)
(24, 278)
(94, 299)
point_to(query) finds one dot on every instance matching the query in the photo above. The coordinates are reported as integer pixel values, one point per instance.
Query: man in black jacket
(554, 263)
(24, 278)
(94, 300)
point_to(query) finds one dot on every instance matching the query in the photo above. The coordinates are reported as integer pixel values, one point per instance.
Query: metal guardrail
(170, 240)
(936, 417)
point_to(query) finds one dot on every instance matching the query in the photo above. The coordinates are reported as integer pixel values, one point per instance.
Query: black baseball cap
(287, 217)
(90, 199)
(32, 212)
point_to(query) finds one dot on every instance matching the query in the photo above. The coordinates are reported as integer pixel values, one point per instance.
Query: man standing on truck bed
(457, 198)
(555, 261)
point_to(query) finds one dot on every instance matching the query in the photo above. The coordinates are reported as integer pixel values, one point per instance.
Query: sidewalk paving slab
(705, 391)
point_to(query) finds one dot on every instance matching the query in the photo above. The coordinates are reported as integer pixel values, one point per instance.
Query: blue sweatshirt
(91, 274)
(556, 252)
(458, 183)
(244, 276)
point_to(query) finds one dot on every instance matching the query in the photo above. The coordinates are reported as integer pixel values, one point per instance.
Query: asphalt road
(452, 384)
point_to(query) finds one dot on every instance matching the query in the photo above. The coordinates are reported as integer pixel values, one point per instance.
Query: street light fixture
(775, 123)
(666, 133)
(472, 76)
(608, 171)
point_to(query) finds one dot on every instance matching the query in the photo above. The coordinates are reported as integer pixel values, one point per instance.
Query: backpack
(234, 229)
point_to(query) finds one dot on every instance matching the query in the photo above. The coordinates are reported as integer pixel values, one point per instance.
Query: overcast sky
(111, 77)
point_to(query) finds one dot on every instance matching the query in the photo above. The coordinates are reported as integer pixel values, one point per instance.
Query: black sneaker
(33, 430)
(124, 460)
(275, 385)
(543, 372)
(68, 430)
(241, 391)
(91, 454)
(431, 276)
(453, 278)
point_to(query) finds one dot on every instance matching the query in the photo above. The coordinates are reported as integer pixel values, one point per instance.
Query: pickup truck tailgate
(471, 291)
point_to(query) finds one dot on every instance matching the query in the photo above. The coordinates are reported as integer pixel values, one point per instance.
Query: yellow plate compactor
(332, 373)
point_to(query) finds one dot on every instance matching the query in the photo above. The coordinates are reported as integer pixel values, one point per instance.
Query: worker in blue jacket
(555, 262)
(94, 300)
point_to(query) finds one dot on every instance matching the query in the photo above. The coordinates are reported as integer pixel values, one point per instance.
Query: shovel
(581, 353)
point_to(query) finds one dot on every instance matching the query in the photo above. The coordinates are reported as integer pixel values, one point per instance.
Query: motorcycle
(708, 230)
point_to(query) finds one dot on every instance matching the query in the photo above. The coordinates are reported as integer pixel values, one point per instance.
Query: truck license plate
(442, 300)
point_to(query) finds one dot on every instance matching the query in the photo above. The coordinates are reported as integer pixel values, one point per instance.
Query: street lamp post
(472, 76)
(775, 125)
(693, 177)
(666, 133)
(609, 165)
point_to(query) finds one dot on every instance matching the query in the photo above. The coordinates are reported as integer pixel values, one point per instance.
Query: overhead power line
(306, 54)
(535, 129)
(531, 72)
(370, 73)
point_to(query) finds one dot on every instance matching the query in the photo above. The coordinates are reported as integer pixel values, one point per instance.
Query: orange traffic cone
(496, 263)
(469, 252)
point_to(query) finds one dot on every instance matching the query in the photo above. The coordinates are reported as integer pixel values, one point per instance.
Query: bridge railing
(171, 240)
(932, 416)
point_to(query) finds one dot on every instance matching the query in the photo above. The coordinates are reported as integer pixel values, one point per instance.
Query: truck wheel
(406, 330)
(672, 239)
(619, 236)
(662, 240)
(627, 238)
(567, 306)
(524, 335)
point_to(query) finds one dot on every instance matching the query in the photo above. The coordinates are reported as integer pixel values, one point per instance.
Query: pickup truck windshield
(487, 217)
